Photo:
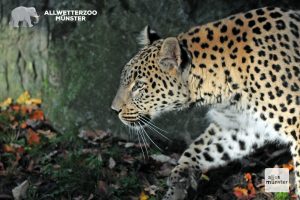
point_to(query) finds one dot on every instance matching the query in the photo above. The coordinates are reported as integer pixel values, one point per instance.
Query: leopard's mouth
(137, 122)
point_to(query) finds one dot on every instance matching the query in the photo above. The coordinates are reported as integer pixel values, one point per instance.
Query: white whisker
(144, 139)
(140, 143)
(153, 128)
(151, 139)
(149, 121)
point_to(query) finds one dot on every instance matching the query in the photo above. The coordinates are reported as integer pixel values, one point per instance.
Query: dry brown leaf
(33, 137)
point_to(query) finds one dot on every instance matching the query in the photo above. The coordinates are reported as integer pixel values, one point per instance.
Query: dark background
(75, 67)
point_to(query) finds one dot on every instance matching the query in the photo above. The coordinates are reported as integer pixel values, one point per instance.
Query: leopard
(245, 68)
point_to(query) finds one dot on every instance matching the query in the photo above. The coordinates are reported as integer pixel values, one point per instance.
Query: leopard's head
(153, 81)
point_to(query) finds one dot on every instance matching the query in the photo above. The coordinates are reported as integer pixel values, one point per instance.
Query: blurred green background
(75, 66)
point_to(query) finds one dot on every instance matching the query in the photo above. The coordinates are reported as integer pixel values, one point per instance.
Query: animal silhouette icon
(23, 14)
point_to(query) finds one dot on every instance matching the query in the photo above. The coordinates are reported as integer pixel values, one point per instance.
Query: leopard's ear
(170, 54)
(147, 36)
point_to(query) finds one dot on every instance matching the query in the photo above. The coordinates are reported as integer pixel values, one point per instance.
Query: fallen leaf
(128, 159)
(8, 148)
(240, 193)
(6, 103)
(23, 125)
(289, 166)
(248, 176)
(160, 158)
(112, 163)
(102, 187)
(152, 189)
(129, 144)
(204, 177)
(37, 115)
(93, 135)
(33, 137)
(48, 134)
(143, 196)
(19, 192)
(23, 98)
(30, 166)
(16, 108)
(34, 101)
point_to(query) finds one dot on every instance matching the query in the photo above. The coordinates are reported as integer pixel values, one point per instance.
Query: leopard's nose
(117, 110)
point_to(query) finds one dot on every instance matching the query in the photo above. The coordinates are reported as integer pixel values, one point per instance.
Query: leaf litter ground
(39, 162)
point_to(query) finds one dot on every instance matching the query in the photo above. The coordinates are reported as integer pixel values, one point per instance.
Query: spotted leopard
(246, 67)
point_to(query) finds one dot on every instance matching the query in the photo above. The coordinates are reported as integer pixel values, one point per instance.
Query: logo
(23, 15)
(276, 180)
(70, 15)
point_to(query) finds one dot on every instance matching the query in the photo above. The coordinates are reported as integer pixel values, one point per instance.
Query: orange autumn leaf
(23, 125)
(8, 148)
(248, 176)
(240, 193)
(37, 115)
(16, 108)
(289, 166)
(23, 110)
(33, 137)
(143, 196)
(251, 188)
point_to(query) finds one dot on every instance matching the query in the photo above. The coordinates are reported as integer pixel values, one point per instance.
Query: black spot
(239, 22)
(230, 44)
(153, 85)
(197, 150)
(276, 67)
(195, 39)
(277, 127)
(219, 148)
(275, 15)
(235, 31)
(202, 66)
(261, 19)
(165, 84)
(211, 132)
(248, 49)
(223, 29)
(293, 133)
(196, 54)
(256, 30)
(213, 57)
(242, 145)
(170, 93)
(225, 157)
(234, 137)
(262, 116)
(187, 154)
(248, 15)
(210, 34)
(256, 69)
(267, 26)
(280, 25)
(200, 141)
(204, 45)
(207, 157)
(260, 12)
(251, 23)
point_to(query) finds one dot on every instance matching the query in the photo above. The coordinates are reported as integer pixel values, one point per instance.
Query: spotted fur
(246, 66)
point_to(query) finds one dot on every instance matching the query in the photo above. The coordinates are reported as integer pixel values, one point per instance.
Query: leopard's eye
(138, 85)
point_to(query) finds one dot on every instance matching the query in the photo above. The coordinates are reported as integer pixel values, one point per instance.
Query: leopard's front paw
(180, 180)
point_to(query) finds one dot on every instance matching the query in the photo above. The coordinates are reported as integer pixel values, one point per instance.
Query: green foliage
(282, 196)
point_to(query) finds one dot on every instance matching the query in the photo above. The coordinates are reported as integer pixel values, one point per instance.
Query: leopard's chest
(246, 122)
